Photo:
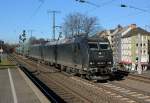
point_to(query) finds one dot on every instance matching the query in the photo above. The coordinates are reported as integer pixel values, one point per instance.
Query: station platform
(15, 87)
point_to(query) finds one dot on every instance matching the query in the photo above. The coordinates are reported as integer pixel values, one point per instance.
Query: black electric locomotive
(90, 57)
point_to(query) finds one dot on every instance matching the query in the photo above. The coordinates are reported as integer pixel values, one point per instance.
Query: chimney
(119, 26)
(132, 26)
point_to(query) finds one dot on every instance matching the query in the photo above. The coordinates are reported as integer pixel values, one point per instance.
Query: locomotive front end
(100, 59)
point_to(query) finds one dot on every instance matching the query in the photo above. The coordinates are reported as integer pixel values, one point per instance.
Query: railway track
(140, 78)
(129, 93)
(125, 93)
(91, 92)
(53, 97)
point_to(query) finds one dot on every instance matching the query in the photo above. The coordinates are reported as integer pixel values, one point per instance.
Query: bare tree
(79, 24)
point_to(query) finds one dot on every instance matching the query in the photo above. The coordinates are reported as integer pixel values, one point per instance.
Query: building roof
(104, 33)
(112, 30)
(122, 29)
(135, 31)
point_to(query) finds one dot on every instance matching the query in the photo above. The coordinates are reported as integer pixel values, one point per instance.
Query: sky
(19, 15)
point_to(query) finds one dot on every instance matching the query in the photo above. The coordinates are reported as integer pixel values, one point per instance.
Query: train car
(49, 53)
(35, 52)
(19, 50)
(25, 50)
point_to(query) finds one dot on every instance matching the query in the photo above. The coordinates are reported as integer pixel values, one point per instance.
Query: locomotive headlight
(91, 63)
(100, 53)
(108, 62)
(98, 63)
(84, 68)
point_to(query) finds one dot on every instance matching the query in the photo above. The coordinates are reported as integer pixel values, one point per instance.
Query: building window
(140, 44)
(144, 52)
(144, 44)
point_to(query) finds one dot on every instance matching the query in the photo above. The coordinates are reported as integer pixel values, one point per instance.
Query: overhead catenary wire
(37, 9)
(99, 6)
(94, 4)
(121, 5)
(143, 10)
(41, 2)
(134, 7)
(26, 24)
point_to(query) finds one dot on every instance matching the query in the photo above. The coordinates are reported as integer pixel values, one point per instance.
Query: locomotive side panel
(80, 55)
(84, 53)
(72, 55)
(64, 55)
(77, 57)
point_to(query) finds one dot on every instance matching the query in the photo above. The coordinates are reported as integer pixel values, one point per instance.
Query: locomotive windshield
(104, 45)
(93, 46)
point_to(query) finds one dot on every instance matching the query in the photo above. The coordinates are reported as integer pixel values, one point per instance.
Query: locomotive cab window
(93, 46)
(104, 45)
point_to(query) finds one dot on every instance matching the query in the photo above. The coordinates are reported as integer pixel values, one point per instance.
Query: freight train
(88, 57)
